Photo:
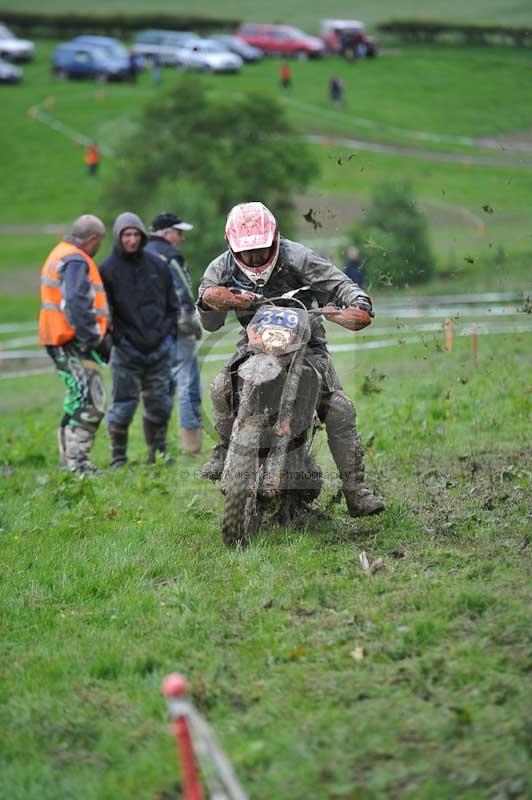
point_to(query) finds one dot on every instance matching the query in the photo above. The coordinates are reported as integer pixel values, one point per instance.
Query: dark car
(246, 51)
(76, 60)
(9, 73)
(112, 48)
(282, 40)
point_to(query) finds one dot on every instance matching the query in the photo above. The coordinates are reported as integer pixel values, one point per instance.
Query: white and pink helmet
(252, 226)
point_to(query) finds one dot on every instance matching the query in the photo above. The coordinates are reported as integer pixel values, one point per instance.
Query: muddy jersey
(297, 266)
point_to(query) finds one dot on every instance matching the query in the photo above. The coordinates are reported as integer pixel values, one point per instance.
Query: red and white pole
(174, 688)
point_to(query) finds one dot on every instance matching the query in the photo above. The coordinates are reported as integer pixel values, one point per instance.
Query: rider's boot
(61, 446)
(78, 444)
(360, 500)
(213, 468)
(348, 454)
(223, 422)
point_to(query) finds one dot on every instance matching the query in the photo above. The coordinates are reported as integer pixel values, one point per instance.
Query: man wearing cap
(144, 310)
(167, 235)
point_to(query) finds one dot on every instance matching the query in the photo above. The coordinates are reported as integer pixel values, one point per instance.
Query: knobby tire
(240, 521)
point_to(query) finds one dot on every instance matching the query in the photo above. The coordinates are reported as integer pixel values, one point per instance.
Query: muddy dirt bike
(269, 472)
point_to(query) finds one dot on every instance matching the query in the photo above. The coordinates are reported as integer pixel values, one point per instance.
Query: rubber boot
(61, 446)
(78, 444)
(348, 457)
(191, 439)
(155, 436)
(214, 467)
(118, 436)
(361, 502)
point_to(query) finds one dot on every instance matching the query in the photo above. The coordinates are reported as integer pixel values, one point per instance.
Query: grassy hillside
(300, 12)
(320, 681)
(448, 92)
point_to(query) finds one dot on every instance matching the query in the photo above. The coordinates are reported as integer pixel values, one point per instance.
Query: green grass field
(444, 91)
(321, 681)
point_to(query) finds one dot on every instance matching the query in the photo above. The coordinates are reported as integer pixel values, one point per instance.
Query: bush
(122, 24)
(429, 31)
(199, 155)
(393, 240)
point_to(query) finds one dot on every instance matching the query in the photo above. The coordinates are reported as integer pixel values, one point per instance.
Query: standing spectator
(156, 70)
(73, 326)
(285, 75)
(168, 234)
(134, 66)
(353, 266)
(336, 90)
(92, 158)
(144, 310)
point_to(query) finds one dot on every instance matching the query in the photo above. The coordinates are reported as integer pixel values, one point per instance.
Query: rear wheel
(239, 481)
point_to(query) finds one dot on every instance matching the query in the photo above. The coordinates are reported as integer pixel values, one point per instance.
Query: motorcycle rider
(259, 261)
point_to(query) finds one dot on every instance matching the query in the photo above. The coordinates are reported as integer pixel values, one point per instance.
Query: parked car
(208, 56)
(282, 40)
(246, 51)
(15, 49)
(9, 73)
(75, 60)
(347, 37)
(161, 44)
(113, 48)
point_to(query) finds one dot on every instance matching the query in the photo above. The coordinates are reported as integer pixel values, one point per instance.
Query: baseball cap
(169, 220)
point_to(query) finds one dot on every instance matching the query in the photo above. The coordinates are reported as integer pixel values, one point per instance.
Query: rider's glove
(220, 298)
(355, 318)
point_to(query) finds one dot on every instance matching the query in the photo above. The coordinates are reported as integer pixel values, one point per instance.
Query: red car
(348, 38)
(282, 40)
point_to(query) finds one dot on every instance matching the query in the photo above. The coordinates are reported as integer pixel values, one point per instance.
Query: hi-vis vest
(54, 328)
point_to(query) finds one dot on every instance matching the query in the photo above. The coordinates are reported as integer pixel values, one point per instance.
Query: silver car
(208, 56)
(161, 45)
(15, 49)
(9, 73)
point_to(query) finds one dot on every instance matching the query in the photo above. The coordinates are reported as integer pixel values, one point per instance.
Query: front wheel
(239, 482)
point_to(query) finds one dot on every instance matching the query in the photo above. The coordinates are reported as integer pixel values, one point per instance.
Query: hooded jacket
(140, 293)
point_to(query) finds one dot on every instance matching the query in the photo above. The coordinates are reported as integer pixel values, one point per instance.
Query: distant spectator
(92, 158)
(156, 70)
(336, 90)
(353, 266)
(134, 67)
(285, 75)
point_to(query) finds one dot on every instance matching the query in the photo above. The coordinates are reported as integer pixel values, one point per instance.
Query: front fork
(271, 485)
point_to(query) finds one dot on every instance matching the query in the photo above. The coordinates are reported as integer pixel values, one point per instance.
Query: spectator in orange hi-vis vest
(285, 76)
(73, 327)
(92, 158)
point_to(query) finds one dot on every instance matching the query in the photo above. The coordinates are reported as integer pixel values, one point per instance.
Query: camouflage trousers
(84, 405)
